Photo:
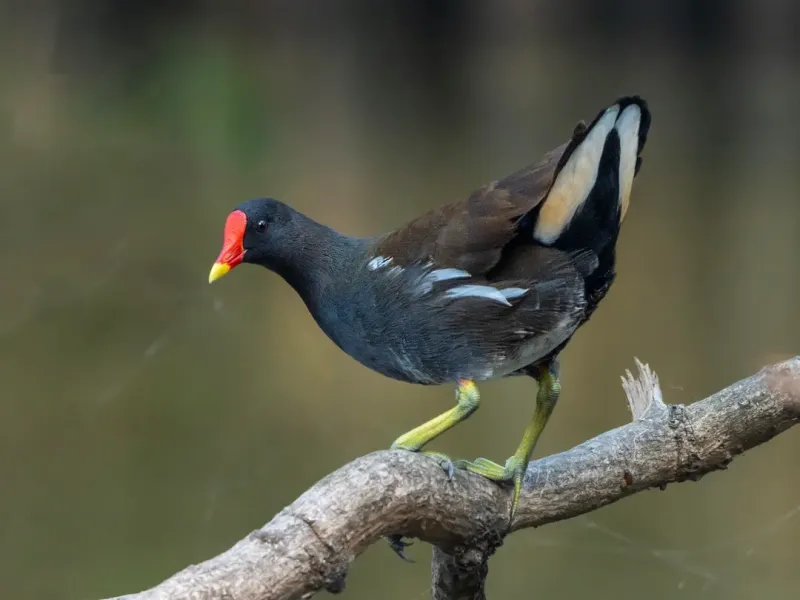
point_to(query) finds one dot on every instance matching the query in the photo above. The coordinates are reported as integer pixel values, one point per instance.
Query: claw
(444, 461)
(449, 469)
(397, 544)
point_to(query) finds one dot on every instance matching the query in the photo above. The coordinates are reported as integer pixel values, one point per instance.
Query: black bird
(492, 286)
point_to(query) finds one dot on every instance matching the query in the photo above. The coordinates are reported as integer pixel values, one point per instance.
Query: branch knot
(688, 464)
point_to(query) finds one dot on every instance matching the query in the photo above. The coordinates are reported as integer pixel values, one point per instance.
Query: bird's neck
(318, 255)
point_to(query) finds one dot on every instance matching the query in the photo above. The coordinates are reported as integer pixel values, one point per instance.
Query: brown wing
(472, 233)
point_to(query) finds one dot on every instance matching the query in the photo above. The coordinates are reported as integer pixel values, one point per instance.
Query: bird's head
(255, 232)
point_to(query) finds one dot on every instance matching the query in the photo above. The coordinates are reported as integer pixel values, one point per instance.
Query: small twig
(309, 545)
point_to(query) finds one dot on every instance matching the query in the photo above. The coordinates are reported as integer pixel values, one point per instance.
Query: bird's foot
(399, 546)
(448, 466)
(440, 458)
(512, 472)
(396, 542)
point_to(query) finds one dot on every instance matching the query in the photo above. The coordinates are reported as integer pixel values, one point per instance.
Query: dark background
(148, 420)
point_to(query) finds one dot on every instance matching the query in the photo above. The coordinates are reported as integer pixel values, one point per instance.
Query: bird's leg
(514, 469)
(468, 400)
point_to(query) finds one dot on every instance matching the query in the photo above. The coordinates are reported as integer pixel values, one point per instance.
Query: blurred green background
(149, 420)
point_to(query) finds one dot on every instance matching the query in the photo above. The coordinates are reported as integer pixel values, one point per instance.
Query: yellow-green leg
(514, 469)
(468, 400)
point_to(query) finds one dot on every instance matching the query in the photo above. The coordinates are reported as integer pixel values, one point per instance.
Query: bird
(490, 286)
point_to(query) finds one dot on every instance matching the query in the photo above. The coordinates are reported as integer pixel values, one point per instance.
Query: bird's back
(484, 287)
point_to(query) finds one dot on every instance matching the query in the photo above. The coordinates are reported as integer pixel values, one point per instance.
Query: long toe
(444, 461)
(398, 545)
(485, 468)
(516, 469)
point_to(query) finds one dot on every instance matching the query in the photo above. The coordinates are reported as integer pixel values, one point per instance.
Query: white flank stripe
(513, 292)
(378, 262)
(477, 291)
(426, 281)
(444, 274)
(395, 271)
(574, 181)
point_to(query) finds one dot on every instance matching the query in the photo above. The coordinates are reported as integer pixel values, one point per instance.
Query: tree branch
(310, 544)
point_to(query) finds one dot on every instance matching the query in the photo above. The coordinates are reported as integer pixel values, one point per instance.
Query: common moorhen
(488, 287)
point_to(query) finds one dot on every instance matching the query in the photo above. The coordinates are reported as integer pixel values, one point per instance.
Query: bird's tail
(591, 188)
(589, 196)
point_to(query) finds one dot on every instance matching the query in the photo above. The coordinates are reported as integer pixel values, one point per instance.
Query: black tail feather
(586, 203)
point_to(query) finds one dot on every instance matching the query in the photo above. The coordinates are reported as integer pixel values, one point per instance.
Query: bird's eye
(261, 226)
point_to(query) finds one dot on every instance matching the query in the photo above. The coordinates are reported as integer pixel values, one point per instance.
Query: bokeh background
(149, 420)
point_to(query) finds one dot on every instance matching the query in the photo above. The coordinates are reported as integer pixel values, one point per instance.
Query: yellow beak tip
(217, 271)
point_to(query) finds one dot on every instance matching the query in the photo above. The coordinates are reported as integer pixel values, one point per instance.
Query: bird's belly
(437, 364)
(396, 361)
(410, 348)
(532, 352)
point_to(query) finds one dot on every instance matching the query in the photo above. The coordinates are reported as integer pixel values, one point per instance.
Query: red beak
(232, 246)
